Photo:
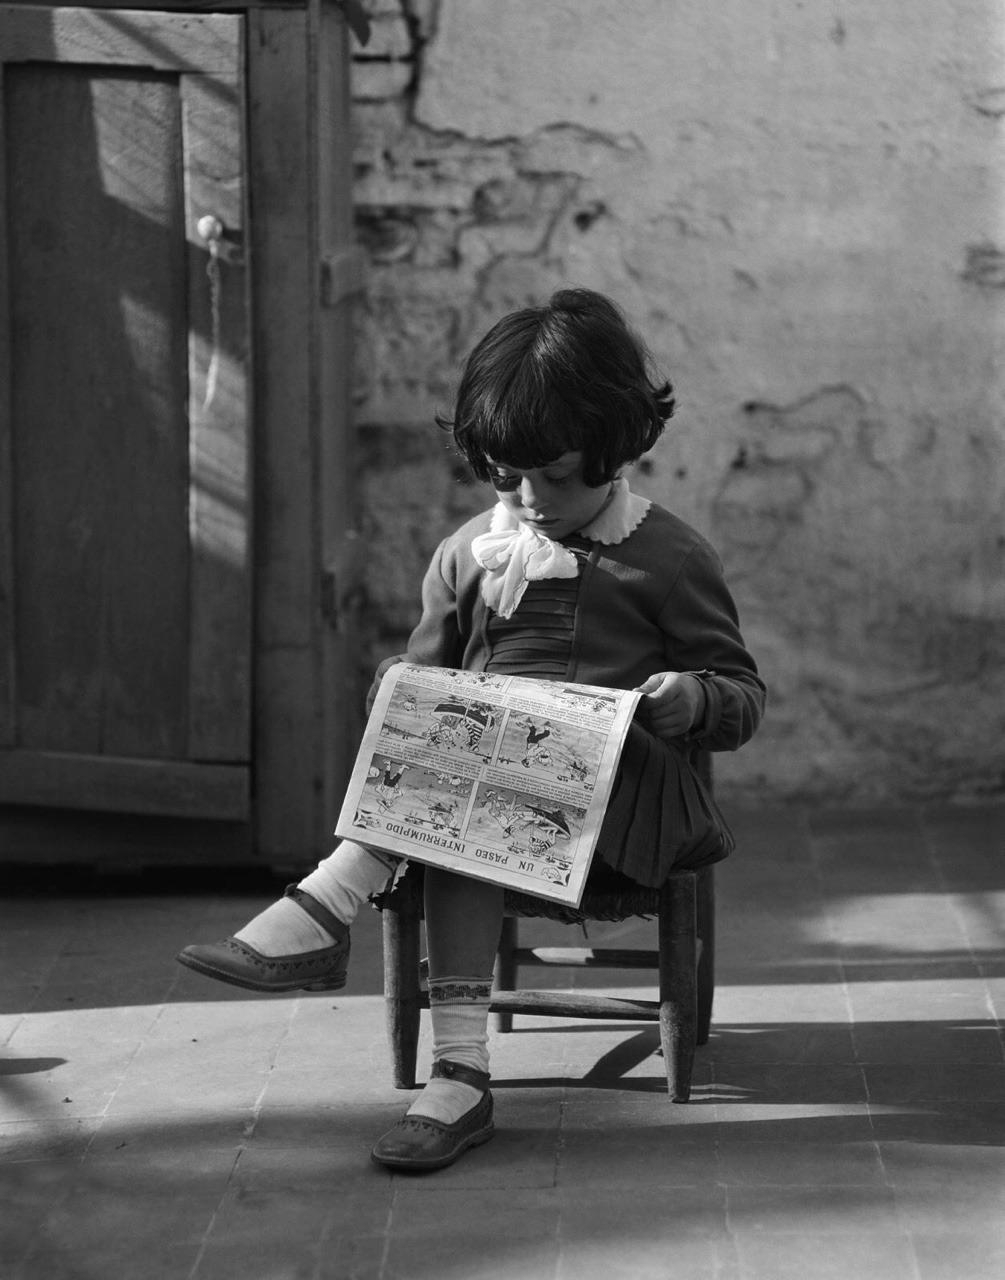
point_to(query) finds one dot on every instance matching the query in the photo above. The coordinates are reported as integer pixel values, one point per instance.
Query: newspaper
(500, 777)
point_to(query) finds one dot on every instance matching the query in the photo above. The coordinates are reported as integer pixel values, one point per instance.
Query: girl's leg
(454, 1110)
(463, 921)
(342, 882)
(300, 942)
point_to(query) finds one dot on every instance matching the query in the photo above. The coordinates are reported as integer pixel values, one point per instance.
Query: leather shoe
(421, 1144)
(230, 960)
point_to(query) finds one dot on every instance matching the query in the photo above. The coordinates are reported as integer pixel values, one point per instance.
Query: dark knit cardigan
(656, 601)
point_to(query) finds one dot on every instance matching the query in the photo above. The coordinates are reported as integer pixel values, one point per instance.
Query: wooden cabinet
(175, 506)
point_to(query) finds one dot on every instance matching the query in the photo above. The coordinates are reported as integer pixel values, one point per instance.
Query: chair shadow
(911, 1081)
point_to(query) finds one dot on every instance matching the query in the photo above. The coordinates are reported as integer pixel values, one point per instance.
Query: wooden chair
(684, 911)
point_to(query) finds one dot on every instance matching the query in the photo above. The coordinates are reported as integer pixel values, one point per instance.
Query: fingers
(669, 706)
(670, 721)
(660, 684)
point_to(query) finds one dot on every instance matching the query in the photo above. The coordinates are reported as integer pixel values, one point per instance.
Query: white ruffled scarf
(513, 553)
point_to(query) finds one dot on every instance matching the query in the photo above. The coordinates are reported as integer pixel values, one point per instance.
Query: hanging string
(213, 272)
(210, 229)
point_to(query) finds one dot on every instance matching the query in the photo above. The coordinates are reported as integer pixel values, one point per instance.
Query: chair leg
(504, 977)
(677, 979)
(706, 955)
(401, 981)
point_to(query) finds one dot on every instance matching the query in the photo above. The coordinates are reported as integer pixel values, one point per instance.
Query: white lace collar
(620, 516)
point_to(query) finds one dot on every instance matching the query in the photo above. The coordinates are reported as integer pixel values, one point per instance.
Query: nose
(530, 494)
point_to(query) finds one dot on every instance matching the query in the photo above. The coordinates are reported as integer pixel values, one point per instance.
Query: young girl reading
(570, 576)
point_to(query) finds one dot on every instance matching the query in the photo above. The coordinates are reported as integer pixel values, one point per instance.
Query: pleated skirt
(661, 817)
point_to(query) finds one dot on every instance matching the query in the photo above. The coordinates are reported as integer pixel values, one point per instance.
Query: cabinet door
(125, 633)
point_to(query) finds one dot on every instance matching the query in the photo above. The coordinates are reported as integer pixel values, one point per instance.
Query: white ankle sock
(348, 877)
(342, 882)
(445, 1100)
(459, 1011)
(284, 929)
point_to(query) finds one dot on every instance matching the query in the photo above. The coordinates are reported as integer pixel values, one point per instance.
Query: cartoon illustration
(535, 736)
(535, 829)
(447, 722)
(413, 793)
(507, 811)
(454, 781)
(579, 771)
(388, 790)
(546, 827)
(459, 724)
(553, 749)
(442, 814)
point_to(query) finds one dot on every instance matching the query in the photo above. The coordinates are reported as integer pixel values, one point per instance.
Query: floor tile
(935, 1082)
(673, 1157)
(800, 1164)
(964, 1184)
(823, 1211)
(483, 1233)
(46, 1139)
(947, 1253)
(957, 1041)
(873, 1255)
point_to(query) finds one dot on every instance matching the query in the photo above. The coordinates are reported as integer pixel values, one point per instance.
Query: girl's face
(554, 498)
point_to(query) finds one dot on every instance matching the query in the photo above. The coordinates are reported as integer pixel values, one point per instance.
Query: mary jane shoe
(421, 1144)
(233, 961)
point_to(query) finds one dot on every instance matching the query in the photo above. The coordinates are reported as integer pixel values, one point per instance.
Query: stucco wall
(800, 205)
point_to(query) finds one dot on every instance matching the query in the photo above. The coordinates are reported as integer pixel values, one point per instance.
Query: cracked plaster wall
(800, 205)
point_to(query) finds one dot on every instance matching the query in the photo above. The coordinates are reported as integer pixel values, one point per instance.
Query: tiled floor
(848, 1119)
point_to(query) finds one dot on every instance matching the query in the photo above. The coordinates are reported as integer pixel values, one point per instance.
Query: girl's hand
(674, 702)
(382, 670)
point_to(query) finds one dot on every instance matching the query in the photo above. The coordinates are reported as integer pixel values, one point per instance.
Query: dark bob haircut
(568, 376)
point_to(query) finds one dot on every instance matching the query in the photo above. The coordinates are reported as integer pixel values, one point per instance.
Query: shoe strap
(447, 1070)
(318, 912)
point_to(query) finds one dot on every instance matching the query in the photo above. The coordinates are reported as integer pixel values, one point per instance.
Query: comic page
(500, 777)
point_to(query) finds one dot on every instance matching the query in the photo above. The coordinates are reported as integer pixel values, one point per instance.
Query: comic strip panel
(542, 833)
(552, 750)
(415, 795)
(451, 723)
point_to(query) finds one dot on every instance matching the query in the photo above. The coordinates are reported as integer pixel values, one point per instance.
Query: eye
(505, 482)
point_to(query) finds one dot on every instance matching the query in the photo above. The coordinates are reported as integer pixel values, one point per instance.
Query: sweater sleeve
(436, 639)
(700, 621)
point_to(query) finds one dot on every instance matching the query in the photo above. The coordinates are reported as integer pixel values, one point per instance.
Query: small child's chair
(684, 910)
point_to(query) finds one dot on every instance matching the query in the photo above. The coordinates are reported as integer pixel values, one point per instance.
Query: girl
(573, 577)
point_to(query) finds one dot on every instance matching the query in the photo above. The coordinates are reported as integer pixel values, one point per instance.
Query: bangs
(525, 428)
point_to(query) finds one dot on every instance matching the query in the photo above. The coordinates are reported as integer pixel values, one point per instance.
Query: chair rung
(574, 1005)
(587, 957)
(580, 958)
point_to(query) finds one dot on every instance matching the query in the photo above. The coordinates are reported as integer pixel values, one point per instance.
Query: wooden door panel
(124, 516)
(219, 709)
(99, 436)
